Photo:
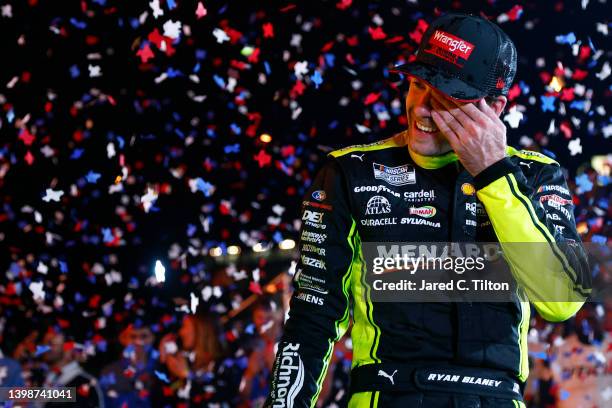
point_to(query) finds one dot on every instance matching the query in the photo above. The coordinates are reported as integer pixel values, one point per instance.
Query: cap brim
(444, 83)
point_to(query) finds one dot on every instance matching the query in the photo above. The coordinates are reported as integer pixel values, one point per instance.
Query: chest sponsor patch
(396, 176)
(419, 196)
(427, 211)
(319, 195)
(378, 205)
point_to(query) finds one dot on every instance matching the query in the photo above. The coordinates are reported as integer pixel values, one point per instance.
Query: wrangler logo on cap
(448, 47)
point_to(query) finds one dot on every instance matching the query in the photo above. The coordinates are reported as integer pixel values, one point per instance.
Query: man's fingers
(454, 110)
(446, 130)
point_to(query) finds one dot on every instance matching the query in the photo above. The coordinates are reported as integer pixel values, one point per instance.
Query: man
(65, 371)
(453, 157)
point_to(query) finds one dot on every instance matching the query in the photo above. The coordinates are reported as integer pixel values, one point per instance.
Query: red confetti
(29, 158)
(344, 4)
(377, 33)
(26, 137)
(371, 98)
(268, 30)
(263, 158)
(145, 53)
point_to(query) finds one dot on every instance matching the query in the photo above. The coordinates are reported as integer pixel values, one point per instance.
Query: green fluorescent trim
(551, 240)
(530, 155)
(342, 324)
(394, 141)
(370, 307)
(433, 162)
(523, 347)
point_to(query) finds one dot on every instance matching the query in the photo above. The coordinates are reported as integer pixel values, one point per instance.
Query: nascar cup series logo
(290, 378)
(396, 176)
(378, 205)
(426, 211)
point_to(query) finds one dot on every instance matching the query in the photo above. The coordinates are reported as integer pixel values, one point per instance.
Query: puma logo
(526, 164)
(381, 373)
(358, 156)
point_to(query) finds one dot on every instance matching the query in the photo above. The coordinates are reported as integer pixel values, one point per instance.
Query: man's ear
(498, 104)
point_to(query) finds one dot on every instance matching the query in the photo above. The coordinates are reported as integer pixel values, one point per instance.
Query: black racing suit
(522, 198)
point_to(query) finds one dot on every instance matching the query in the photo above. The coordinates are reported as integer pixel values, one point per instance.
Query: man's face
(423, 135)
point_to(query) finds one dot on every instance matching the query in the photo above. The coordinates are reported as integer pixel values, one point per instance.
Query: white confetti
(195, 301)
(94, 71)
(575, 147)
(172, 29)
(605, 71)
(300, 69)
(220, 35)
(148, 199)
(52, 195)
(42, 268)
(157, 10)
(37, 290)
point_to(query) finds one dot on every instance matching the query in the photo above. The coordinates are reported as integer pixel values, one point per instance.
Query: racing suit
(522, 198)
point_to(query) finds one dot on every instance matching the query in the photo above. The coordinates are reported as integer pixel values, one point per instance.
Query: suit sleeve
(535, 226)
(319, 307)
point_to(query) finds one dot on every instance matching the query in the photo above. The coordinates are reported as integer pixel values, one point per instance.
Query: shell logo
(468, 189)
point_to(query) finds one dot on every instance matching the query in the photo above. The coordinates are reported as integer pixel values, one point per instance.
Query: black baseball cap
(465, 57)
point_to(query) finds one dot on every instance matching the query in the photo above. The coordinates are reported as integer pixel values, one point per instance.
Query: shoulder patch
(531, 155)
(395, 141)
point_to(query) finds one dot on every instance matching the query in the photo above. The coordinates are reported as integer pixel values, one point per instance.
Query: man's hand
(473, 130)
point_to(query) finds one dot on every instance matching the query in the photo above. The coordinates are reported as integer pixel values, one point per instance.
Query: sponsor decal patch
(307, 297)
(376, 189)
(289, 378)
(313, 219)
(449, 47)
(378, 205)
(419, 196)
(316, 263)
(555, 198)
(396, 176)
(553, 187)
(313, 237)
(468, 189)
(427, 211)
(317, 205)
(319, 195)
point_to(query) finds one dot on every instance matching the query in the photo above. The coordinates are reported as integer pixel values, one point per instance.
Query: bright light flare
(160, 272)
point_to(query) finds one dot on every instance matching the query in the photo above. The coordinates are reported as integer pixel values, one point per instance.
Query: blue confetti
(317, 79)
(569, 38)
(92, 177)
(162, 377)
(107, 235)
(41, 350)
(548, 103)
(219, 81)
(77, 153)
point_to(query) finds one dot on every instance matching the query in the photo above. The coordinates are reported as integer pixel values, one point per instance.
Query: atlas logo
(427, 211)
(290, 378)
(378, 205)
(319, 195)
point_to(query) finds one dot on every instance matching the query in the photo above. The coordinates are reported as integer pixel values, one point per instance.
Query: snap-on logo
(450, 48)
